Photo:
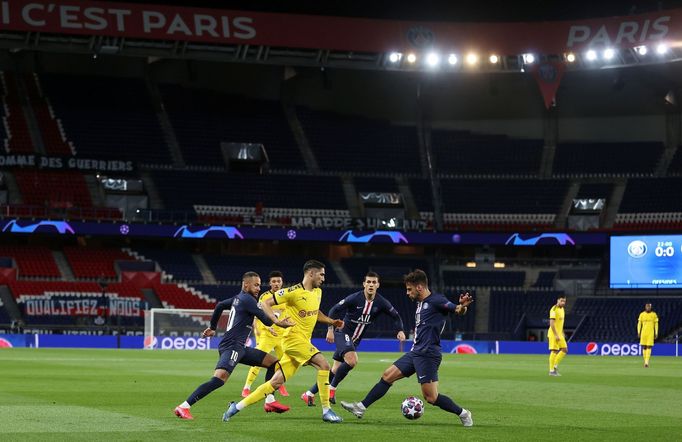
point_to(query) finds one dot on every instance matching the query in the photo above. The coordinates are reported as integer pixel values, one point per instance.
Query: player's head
(371, 283)
(561, 301)
(313, 271)
(416, 284)
(647, 307)
(276, 280)
(251, 283)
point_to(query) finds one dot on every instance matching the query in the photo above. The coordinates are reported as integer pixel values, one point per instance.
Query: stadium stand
(51, 129)
(94, 109)
(53, 188)
(202, 119)
(176, 263)
(232, 268)
(32, 261)
(602, 159)
(94, 263)
(483, 278)
(14, 130)
(466, 153)
(508, 307)
(360, 145)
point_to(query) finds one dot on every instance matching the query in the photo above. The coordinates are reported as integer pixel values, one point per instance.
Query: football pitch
(50, 394)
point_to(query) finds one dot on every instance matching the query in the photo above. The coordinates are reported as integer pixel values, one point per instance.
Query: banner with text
(158, 22)
(31, 161)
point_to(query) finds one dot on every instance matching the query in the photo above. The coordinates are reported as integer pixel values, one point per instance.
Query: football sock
(270, 399)
(323, 386)
(447, 404)
(376, 393)
(256, 395)
(552, 357)
(341, 373)
(253, 374)
(204, 389)
(314, 389)
(559, 356)
(647, 355)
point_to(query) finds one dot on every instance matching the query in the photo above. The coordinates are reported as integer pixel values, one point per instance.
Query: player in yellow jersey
(555, 335)
(647, 331)
(303, 303)
(268, 338)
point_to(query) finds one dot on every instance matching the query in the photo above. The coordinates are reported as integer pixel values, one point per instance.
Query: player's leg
(402, 368)
(285, 369)
(226, 364)
(427, 376)
(646, 354)
(552, 359)
(279, 352)
(561, 354)
(323, 373)
(309, 396)
(350, 360)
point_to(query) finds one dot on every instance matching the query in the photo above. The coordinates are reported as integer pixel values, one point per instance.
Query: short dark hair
(372, 274)
(560, 297)
(275, 274)
(248, 275)
(415, 277)
(312, 264)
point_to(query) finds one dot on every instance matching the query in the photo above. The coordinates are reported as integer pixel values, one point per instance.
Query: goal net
(180, 329)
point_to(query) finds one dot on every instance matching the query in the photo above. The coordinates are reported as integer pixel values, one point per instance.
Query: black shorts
(344, 344)
(231, 356)
(426, 366)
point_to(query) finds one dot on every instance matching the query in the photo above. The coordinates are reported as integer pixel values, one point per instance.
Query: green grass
(129, 394)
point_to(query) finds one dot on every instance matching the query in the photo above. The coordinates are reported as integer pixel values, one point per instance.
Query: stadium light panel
(471, 264)
(642, 50)
(570, 57)
(591, 55)
(432, 59)
(661, 49)
(528, 58)
(494, 59)
(395, 57)
(472, 58)
(452, 59)
(411, 58)
(609, 53)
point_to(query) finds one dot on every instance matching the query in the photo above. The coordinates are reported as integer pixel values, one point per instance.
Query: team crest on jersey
(425, 306)
(236, 302)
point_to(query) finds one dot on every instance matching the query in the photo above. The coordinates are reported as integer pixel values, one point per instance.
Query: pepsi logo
(150, 342)
(591, 348)
(4, 343)
(465, 349)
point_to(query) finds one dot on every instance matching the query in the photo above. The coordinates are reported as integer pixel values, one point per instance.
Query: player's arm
(656, 327)
(640, 324)
(268, 317)
(397, 321)
(324, 319)
(465, 299)
(217, 312)
(339, 309)
(552, 326)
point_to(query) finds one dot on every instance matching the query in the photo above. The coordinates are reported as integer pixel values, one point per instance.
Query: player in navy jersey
(361, 309)
(425, 356)
(232, 348)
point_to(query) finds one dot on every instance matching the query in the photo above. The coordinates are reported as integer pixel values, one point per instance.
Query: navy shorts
(231, 356)
(344, 344)
(426, 366)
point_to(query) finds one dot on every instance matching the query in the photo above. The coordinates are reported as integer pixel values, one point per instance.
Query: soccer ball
(412, 408)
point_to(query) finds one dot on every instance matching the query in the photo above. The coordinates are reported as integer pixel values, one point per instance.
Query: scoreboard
(646, 261)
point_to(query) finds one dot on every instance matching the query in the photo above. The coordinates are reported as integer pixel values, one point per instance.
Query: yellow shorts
(296, 354)
(647, 339)
(268, 343)
(556, 345)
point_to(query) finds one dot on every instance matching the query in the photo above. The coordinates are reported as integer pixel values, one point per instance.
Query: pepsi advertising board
(646, 262)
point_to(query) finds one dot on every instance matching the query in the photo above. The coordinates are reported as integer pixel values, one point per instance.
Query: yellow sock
(323, 386)
(253, 374)
(552, 357)
(559, 357)
(258, 394)
(647, 355)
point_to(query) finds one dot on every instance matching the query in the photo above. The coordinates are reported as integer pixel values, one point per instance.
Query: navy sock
(202, 390)
(341, 373)
(270, 372)
(376, 393)
(447, 404)
(314, 388)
